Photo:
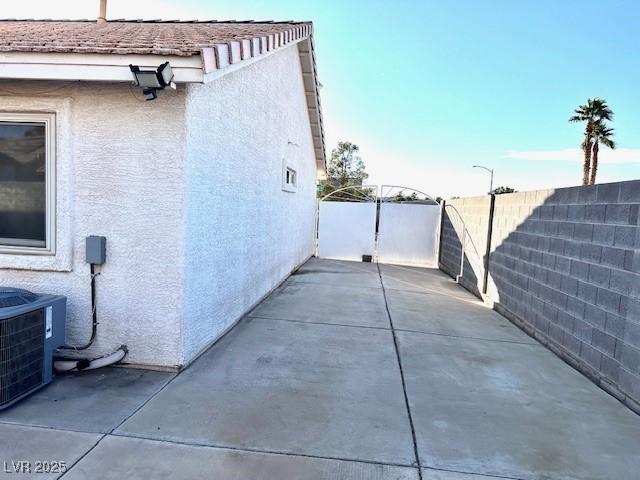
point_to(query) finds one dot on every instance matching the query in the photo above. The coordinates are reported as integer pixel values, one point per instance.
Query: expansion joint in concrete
(260, 450)
(70, 467)
(404, 385)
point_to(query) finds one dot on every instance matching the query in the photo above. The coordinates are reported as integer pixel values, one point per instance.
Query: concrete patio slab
(326, 304)
(289, 387)
(32, 444)
(429, 474)
(349, 280)
(144, 459)
(438, 314)
(417, 279)
(92, 401)
(335, 273)
(289, 398)
(321, 264)
(513, 410)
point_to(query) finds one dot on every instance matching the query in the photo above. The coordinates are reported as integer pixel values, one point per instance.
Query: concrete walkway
(346, 372)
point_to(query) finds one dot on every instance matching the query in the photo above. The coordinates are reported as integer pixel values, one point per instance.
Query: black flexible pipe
(94, 326)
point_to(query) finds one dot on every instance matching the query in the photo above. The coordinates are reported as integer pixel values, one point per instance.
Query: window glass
(291, 177)
(23, 184)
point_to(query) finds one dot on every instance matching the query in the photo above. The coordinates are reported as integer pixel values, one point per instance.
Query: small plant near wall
(501, 190)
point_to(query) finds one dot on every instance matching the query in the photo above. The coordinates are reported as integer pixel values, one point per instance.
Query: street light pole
(490, 170)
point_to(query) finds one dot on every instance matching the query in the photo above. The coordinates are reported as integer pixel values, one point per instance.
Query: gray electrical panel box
(96, 250)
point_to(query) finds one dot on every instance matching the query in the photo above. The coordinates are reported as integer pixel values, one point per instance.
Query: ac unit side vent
(21, 354)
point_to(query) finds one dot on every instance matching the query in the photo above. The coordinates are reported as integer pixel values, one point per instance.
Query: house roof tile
(182, 38)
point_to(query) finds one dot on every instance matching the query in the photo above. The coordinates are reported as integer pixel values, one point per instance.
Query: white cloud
(620, 155)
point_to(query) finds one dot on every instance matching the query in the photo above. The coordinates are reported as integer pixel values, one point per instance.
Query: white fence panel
(346, 230)
(408, 234)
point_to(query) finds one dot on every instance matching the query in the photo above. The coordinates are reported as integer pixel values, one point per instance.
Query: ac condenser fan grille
(13, 297)
(21, 354)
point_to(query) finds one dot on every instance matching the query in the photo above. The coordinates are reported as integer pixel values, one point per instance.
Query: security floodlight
(166, 73)
(150, 93)
(147, 79)
(153, 80)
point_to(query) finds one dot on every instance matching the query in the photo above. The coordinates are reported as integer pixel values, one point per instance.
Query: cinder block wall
(565, 266)
(465, 220)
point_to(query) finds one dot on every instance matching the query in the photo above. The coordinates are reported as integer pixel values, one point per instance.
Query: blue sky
(427, 89)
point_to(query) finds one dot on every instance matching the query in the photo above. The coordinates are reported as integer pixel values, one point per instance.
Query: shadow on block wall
(564, 265)
(465, 222)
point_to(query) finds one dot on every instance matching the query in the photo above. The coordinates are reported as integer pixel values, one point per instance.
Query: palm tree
(594, 111)
(601, 134)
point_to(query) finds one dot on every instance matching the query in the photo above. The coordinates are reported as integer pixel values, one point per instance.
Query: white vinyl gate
(402, 233)
(346, 230)
(408, 234)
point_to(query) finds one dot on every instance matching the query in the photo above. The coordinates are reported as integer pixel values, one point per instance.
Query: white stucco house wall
(190, 189)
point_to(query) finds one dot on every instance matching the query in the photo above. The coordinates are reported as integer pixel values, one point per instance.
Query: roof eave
(314, 107)
(97, 67)
(211, 63)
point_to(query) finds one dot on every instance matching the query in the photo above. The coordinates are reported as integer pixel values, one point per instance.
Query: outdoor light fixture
(153, 80)
(490, 170)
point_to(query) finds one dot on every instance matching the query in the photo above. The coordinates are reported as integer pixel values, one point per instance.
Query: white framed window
(27, 183)
(289, 177)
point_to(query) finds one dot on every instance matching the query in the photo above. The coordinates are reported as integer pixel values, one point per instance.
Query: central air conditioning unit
(31, 328)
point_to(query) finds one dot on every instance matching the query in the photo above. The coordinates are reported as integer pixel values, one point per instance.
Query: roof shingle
(131, 37)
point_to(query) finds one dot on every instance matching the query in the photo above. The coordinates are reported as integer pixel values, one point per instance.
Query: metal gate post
(377, 236)
(485, 280)
(462, 247)
(443, 205)
(317, 228)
